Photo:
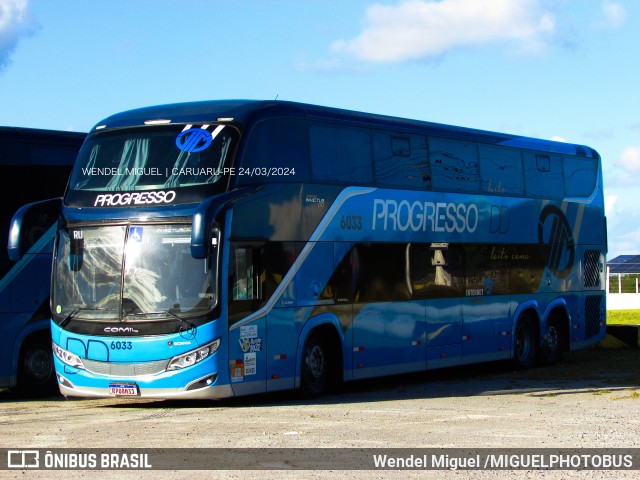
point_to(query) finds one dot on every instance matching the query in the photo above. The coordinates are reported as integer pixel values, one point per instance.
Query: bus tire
(524, 346)
(552, 343)
(36, 373)
(315, 366)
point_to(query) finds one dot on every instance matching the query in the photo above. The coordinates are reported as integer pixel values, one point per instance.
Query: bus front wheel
(36, 375)
(525, 344)
(315, 366)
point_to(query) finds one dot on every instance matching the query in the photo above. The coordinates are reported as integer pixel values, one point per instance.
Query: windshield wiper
(77, 310)
(66, 319)
(182, 320)
(164, 312)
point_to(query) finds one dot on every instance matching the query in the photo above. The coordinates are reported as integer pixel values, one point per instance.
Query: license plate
(123, 389)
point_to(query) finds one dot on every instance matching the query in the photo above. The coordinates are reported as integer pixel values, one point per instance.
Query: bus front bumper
(121, 389)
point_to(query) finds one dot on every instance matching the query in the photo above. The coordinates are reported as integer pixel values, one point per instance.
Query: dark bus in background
(35, 166)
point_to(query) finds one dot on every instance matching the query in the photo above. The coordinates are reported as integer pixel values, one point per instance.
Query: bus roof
(34, 135)
(246, 111)
(29, 147)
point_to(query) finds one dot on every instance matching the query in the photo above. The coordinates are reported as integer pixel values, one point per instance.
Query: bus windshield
(147, 158)
(139, 272)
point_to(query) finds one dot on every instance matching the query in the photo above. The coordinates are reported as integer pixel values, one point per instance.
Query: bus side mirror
(29, 223)
(200, 236)
(206, 235)
(204, 221)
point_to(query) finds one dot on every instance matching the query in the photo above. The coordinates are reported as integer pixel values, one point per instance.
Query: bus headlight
(66, 357)
(194, 356)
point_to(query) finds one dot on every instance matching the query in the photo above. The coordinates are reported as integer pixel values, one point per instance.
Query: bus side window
(488, 268)
(420, 267)
(455, 165)
(383, 273)
(279, 144)
(437, 270)
(255, 271)
(580, 175)
(502, 172)
(244, 288)
(543, 175)
(340, 155)
(340, 286)
(242, 273)
(278, 257)
(400, 161)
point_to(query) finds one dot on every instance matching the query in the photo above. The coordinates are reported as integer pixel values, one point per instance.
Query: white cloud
(630, 159)
(613, 14)
(420, 29)
(15, 22)
(622, 222)
(609, 202)
(559, 139)
(624, 241)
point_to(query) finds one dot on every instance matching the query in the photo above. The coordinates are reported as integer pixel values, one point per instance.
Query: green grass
(623, 317)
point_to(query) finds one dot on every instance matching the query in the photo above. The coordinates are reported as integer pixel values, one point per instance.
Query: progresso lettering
(424, 216)
(135, 198)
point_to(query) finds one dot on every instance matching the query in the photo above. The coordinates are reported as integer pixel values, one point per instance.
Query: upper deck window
(154, 158)
(580, 176)
(400, 160)
(277, 151)
(543, 175)
(501, 170)
(341, 154)
(455, 165)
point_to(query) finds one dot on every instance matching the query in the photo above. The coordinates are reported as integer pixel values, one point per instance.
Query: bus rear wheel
(315, 366)
(552, 343)
(525, 344)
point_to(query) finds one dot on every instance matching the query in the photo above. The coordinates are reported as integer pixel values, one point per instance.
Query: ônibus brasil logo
(554, 234)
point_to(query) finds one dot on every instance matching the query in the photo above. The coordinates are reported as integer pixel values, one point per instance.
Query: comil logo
(554, 233)
(120, 330)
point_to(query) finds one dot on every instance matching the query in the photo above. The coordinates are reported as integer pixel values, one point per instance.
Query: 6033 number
(351, 222)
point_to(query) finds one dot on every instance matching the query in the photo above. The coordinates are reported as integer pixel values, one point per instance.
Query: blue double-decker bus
(224, 248)
(35, 166)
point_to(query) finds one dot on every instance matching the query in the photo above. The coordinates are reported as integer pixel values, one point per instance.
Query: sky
(566, 70)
